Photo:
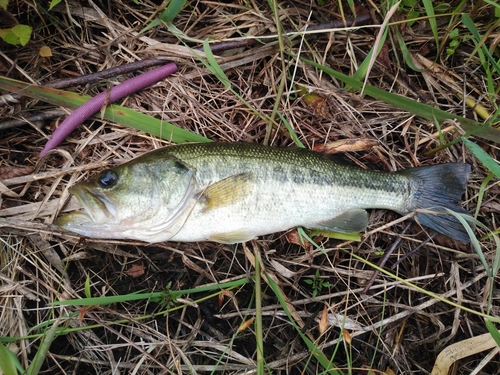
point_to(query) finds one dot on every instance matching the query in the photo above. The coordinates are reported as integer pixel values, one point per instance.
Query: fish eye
(107, 179)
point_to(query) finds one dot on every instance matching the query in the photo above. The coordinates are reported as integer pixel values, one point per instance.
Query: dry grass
(393, 327)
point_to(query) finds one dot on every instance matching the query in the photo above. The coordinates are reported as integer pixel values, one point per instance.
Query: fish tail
(436, 187)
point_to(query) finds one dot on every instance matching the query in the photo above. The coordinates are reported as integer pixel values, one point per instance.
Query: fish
(235, 192)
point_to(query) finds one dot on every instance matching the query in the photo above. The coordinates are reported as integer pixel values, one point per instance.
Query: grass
(114, 113)
(74, 306)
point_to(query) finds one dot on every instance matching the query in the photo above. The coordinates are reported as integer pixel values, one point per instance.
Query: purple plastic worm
(121, 90)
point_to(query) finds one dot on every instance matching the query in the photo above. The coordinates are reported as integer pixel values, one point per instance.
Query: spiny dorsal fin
(229, 191)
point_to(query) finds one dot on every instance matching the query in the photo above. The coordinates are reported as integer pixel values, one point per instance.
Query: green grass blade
(362, 70)
(86, 289)
(292, 133)
(315, 351)
(152, 24)
(483, 157)
(259, 335)
(429, 9)
(495, 267)
(405, 52)
(214, 66)
(480, 194)
(487, 60)
(113, 113)
(412, 106)
(7, 362)
(106, 300)
(180, 35)
(173, 9)
(464, 219)
(41, 354)
(493, 331)
(478, 40)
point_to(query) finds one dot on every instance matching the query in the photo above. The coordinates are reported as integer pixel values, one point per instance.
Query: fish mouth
(98, 209)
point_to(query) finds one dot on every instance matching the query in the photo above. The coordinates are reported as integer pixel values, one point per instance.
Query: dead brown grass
(394, 327)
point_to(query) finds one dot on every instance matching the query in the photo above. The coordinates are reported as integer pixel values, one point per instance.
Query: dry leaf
(318, 104)
(245, 325)
(222, 296)
(316, 101)
(294, 237)
(347, 336)
(45, 51)
(281, 269)
(83, 312)
(345, 145)
(135, 270)
(340, 320)
(491, 207)
(11, 172)
(323, 323)
(460, 350)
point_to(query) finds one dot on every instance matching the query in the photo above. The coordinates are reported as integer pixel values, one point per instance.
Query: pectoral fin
(228, 191)
(232, 237)
(352, 221)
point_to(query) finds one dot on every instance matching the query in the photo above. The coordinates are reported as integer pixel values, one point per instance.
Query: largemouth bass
(232, 193)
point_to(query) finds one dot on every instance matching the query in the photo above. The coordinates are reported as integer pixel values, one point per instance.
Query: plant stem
(259, 337)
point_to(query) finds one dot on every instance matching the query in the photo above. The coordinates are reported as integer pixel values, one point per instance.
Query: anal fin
(352, 221)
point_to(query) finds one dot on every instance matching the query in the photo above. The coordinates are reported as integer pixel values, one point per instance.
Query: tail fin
(435, 187)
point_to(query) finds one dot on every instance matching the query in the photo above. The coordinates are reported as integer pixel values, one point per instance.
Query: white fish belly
(277, 207)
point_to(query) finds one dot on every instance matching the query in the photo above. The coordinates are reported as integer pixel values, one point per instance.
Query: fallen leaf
(45, 51)
(345, 145)
(347, 336)
(83, 312)
(462, 349)
(316, 102)
(323, 323)
(11, 172)
(222, 297)
(135, 270)
(294, 237)
(282, 270)
(245, 325)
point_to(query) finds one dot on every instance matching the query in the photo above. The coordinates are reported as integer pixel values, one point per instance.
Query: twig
(48, 115)
(91, 78)
(384, 259)
(413, 251)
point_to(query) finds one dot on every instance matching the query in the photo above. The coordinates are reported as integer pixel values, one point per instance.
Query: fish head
(136, 200)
